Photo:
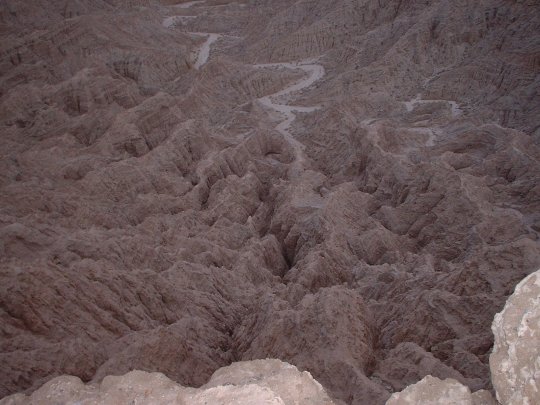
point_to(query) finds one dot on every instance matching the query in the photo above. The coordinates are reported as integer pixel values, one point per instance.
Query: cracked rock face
(515, 360)
(257, 382)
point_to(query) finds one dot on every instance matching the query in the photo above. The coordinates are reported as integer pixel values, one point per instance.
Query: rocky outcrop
(433, 391)
(515, 360)
(255, 382)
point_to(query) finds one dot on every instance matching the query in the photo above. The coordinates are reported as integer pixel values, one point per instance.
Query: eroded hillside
(349, 186)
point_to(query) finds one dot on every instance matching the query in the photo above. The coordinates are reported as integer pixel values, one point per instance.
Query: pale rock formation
(433, 391)
(515, 360)
(258, 382)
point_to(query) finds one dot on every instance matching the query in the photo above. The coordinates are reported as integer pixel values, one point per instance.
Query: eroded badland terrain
(351, 186)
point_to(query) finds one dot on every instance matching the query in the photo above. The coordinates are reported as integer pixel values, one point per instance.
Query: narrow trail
(190, 4)
(204, 51)
(454, 107)
(174, 19)
(315, 72)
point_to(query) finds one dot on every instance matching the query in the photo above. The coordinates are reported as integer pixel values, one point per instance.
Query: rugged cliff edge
(514, 362)
(515, 371)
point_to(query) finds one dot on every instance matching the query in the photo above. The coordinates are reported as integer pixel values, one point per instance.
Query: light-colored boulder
(283, 379)
(515, 360)
(258, 382)
(433, 391)
(483, 397)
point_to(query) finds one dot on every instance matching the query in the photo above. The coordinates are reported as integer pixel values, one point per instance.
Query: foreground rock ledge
(514, 362)
(270, 382)
(433, 391)
(515, 369)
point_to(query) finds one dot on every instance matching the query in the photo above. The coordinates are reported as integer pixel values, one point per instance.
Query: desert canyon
(350, 188)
